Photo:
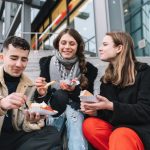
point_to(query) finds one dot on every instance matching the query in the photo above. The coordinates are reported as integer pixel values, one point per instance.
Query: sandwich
(42, 106)
(85, 93)
(86, 96)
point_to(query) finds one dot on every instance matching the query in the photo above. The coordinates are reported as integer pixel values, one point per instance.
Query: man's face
(15, 60)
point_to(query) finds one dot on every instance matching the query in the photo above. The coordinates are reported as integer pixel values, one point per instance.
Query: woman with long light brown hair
(122, 113)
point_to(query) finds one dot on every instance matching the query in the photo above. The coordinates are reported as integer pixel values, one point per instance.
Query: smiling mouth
(17, 70)
(67, 52)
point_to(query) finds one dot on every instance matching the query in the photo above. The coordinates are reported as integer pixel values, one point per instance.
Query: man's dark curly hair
(17, 42)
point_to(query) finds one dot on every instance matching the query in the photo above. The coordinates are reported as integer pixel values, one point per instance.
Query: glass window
(137, 23)
(34, 13)
(83, 21)
(59, 14)
(137, 37)
(147, 50)
(14, 8)
(128, 26)
(48, 44)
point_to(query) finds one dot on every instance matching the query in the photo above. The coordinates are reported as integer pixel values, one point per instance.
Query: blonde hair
(123, 72)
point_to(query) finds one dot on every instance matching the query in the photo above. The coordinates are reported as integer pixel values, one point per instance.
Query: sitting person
(121, 117)
(20, 129)
(67, 64)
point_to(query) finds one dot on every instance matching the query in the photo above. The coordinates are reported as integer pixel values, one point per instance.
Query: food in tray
(42, 108)
(85, 93)
(72, 82)
(42, 105)
(86, 96)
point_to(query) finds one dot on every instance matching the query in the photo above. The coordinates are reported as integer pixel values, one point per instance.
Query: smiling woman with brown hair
(68, 64)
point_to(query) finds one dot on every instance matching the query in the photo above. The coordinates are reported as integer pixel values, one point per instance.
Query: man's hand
(40, 85)
(33, 117)
(13, 101)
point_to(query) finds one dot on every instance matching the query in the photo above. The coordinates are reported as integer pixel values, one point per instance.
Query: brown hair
(123, 73)
(80, 52)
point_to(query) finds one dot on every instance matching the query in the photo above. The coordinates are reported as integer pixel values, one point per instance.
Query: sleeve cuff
(2, 111)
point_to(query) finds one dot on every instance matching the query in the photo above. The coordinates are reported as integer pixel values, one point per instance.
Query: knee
(88, 126)
(128, 139)
(121, 133)
(59, 101)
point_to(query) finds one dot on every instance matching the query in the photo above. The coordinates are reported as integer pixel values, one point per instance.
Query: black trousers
(47, 138)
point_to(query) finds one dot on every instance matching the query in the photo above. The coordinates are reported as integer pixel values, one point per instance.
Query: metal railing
(44, 41)
(39, 40)
(90, 46)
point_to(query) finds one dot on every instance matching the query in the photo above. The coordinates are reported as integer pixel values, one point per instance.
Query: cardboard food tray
(90, 99)
(42, 111)
(70, 83)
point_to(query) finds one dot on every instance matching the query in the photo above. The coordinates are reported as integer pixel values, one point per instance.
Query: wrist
(110, 106)
(2, 106)
(43, 95)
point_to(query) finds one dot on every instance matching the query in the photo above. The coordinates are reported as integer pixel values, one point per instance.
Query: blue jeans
(76, 140)
(58, 122)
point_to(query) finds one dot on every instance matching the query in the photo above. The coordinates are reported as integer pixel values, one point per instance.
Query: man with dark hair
(20, 129)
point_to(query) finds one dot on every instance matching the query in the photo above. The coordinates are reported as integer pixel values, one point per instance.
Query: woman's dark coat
(60, 96)
(131, 104)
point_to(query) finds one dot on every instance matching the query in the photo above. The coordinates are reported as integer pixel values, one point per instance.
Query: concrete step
(33, 69)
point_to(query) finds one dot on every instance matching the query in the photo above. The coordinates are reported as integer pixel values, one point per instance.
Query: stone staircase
(33, 66)
(33, 69)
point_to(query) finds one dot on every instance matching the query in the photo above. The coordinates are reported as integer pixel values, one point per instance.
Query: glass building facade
(137, 23)
(81, 16)
(91, 18)
(77, 14)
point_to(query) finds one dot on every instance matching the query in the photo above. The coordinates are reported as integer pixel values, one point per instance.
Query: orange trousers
(102, 136)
